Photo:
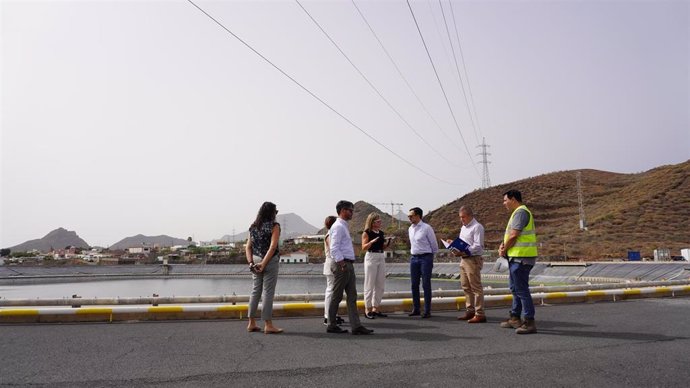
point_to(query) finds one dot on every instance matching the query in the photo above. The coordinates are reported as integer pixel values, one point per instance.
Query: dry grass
(624, 212)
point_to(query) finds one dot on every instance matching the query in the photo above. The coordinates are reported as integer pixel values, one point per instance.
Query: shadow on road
(611, 335)
(405, 335)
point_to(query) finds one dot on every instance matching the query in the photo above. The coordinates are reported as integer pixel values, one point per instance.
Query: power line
(403, 76)
(441, 85)
(457, 68)
(458, 80)
(372, 85)
(464, 67)
(318, 98)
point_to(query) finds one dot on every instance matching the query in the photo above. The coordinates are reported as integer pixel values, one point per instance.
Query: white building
(662, 254)
(139, 250)
(309, 239)
(296, 257)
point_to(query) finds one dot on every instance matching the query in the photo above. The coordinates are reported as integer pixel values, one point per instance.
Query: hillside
(623, 212)
(151, 241)
(359, 218)
(59, 238)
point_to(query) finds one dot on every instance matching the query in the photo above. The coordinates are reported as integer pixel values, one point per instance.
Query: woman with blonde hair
(262, 246)
(373, 243)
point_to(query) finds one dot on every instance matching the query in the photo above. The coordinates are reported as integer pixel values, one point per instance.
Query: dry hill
(359, 217)
(59, 238)
(623, 212)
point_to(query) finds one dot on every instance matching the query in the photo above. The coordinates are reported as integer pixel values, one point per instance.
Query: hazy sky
(121, 118)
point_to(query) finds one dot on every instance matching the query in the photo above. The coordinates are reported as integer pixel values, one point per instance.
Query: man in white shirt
(472, 232)
(343, 254)
(423, 246)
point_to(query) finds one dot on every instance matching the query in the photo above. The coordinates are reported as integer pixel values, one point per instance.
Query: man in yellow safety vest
(520, 248)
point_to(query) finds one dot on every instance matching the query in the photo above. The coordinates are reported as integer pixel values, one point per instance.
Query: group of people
(519, 247)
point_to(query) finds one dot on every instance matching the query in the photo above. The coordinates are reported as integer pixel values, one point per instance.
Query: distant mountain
(291, 226)
(59, 238)
(141, 240)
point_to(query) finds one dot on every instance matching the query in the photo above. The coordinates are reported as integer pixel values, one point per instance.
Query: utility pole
(580, 201)
(486, 181)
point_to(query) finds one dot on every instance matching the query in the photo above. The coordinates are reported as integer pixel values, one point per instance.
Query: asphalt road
(635, 343)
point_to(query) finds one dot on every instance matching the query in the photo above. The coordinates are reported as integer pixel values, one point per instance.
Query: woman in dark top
(373, 243)
(263, 258)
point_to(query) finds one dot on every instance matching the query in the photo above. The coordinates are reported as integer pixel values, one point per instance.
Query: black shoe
(426, 315)
(412, 314)
(338, 321)
(380, 314)
(336, 330)
(361, 331)
(370, 315)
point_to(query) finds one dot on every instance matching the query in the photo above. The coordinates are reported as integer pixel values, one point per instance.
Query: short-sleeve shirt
(261, 238)
(520, 219)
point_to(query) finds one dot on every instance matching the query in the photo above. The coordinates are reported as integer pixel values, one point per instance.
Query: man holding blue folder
(472, 233)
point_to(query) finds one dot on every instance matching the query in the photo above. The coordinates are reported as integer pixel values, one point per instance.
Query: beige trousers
(374, 279)
(471, 280)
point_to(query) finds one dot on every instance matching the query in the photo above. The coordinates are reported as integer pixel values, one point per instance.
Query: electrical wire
(442, 89)
(467, 77)
(365, 133)
(383, 47)
(457, 68)
(374, 87)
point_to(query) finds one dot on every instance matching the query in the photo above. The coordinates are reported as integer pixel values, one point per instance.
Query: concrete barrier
(225, 311)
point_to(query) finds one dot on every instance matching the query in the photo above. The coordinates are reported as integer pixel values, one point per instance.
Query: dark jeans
(420, 266)
(347, 281)
(519, 287)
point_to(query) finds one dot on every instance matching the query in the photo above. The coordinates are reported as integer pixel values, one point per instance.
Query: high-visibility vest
(526, 244)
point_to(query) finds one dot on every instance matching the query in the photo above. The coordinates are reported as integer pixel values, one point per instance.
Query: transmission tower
(486, 181)
(580, 201)
(393, 204)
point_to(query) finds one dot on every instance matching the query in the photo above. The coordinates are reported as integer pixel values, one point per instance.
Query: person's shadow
(418, 336)
(562, 329)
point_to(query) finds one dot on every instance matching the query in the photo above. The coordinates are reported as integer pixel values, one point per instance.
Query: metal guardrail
(235, 299)
(209, 311)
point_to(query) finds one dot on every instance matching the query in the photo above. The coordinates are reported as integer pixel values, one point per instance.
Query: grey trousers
(264, 282)
(347, 281)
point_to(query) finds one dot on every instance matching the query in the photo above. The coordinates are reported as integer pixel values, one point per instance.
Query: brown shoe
(468, 315)
(527, 327)
(477, 319)
(512, 323)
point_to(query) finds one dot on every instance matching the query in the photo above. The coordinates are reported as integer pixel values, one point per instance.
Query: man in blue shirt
(423, 246)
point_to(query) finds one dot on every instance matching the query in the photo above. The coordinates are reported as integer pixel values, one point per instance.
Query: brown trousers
(471, 280)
